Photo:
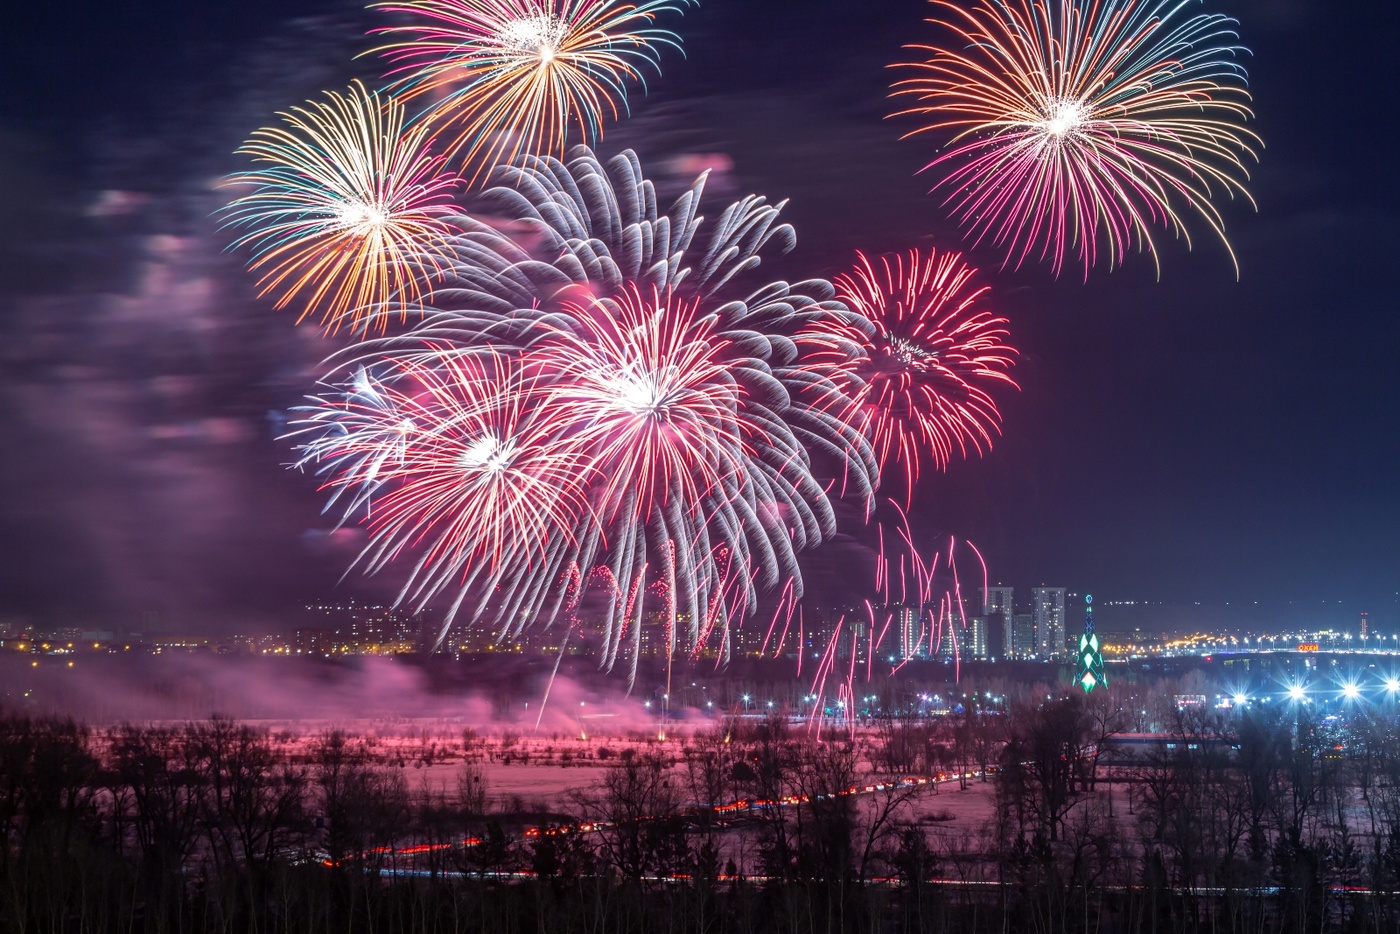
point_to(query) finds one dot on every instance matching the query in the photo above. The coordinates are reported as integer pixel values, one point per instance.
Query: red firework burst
(922, 379)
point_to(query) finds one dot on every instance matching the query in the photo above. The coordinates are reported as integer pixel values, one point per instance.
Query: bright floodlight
(1393, 685)
(1351, 691)
(1240, 700)
(1296, 692)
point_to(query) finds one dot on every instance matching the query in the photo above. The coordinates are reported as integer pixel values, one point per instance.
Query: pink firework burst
(644, 382)
(453, 461)
(922, 379)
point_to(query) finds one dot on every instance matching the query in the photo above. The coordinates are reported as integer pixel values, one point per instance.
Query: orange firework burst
(513, 76)
(1079, 126)
(349, 209)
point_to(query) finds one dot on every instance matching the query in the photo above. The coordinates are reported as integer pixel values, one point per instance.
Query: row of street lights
(1346, 691)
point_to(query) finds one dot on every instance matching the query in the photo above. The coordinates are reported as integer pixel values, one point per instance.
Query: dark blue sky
(1196, 438)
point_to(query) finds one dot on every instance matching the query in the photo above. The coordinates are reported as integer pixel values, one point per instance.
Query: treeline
(1290, 825)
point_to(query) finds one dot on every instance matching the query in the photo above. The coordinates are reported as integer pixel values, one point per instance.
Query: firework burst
(652, 391)
(348, 211)
(454, 461)
(1080, 126)
(921, 379)
(682, 407)
(505, 77)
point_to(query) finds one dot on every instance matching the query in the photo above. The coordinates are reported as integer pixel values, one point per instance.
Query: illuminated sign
(1307, 646)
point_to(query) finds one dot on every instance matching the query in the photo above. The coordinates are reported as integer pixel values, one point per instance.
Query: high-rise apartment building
(977, 639)
(1048, 608)
(1000, 610)
(1022, 636)
(912, 640)
(997, 599)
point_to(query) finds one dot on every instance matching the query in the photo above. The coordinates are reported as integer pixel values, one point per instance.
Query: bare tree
(635, 816)
(1043, 759)
(1107, 719)
(252, 805)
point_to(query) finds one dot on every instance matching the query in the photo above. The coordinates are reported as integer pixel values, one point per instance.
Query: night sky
(1193, 439)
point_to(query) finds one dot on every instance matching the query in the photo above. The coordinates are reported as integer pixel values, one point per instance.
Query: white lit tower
(1048, 606)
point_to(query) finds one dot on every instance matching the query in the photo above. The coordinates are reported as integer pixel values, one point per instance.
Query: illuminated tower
(1048, 605)
(1090, 657)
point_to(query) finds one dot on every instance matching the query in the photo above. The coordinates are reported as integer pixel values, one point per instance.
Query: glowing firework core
(1063, 117)
(911, 353)
(488, 454)
(539, 35)
(360, 218)
(645, 394)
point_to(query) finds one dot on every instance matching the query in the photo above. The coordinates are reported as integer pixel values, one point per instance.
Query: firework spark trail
(801, 641)
(922, 381)
(506, 77)
(680, 407)
(786, 608)
(1082, 125)
(845, 689)
(910, 562)
(824, 669)
(920, 605)
(952, 605)
(349, 211)
(553, 674)
(873, 640)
